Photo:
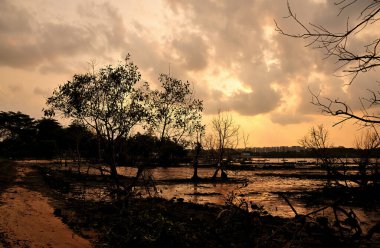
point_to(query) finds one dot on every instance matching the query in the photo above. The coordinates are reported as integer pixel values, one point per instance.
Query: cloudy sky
(228, 49)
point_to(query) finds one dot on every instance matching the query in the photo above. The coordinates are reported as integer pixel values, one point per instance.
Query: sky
(229, 50)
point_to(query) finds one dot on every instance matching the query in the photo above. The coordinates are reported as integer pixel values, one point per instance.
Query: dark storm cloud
(29, 42)
(289, 118)
(254, 103)
(237, 33)
(16, 29)
(210, 43)
(192, 51)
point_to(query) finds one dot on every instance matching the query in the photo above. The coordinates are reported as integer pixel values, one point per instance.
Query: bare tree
(350, 61)
(317, 139)
(197, 147)
(209, 144)
(245, 139)
(366, 144)
(227, 137)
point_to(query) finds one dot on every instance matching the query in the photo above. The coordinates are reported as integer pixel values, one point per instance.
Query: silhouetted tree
(176, 115)
(227, 136)
(317, 140)
(197, 147)
(107, 101)
(48, 128)
(209, 145)
(170, 152)
(49, 138)
(367, 144)
(17, 134)
(245, 140)
(141, 149)
(15, 124)
(175, 112)
(340, 46)
(80, 141)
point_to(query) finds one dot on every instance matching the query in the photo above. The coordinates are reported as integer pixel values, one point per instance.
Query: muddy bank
(364, 197)
(7, 174)
(28, 218)
(155, 222)
(323, 176)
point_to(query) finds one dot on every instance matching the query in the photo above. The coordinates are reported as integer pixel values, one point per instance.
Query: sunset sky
(229, 50)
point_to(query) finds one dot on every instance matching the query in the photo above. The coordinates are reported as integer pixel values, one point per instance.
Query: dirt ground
(27, 217)
(31, 204)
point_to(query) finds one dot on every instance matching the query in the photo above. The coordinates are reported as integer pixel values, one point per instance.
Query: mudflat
(27, 216)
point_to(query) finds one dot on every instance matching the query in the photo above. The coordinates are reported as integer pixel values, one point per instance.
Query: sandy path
(27, 220)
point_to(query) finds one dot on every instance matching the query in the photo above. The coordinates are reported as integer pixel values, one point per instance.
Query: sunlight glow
(225, 81)
(269, 57)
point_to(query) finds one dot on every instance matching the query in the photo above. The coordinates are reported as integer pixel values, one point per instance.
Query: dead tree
(317, 140)
(366, 144)
(227, 133)
(350, 61)
(197, 147)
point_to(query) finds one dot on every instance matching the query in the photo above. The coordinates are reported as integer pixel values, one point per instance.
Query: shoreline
(156, 222)
(30, 219)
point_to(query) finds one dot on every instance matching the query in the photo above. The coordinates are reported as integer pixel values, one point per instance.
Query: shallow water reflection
(261, 188)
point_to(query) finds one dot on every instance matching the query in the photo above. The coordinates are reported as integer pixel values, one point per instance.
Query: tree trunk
(195, 163)
(134, 181)
(99, 151)
(113, 170)
(78, 155)
(112, 160)
(216, 171)
(363, 173)
(195, 173)
(223, 175)
(215, 174)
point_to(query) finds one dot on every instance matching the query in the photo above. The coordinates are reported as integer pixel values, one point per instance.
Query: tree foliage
(15, 124)
(111, 102)
(175, 113)
(148, 150)
(17, 134)
(107, 101)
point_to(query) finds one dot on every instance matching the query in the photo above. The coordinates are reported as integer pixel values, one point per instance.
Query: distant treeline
(22, 137)
(339, 152)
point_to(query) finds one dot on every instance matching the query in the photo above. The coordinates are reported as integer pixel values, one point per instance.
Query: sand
(27, 219)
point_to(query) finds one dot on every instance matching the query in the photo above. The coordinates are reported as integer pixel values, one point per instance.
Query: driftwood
(349, 228)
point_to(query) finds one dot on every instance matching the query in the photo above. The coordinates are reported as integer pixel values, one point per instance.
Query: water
(259, 189)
